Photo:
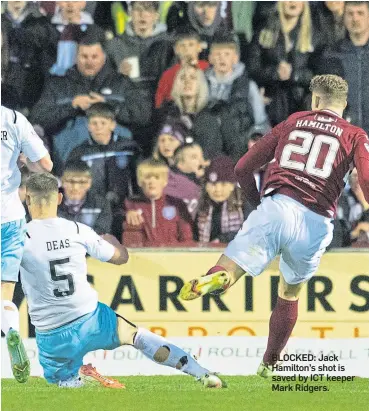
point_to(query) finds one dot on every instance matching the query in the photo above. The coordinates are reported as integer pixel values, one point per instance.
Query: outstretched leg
(162, 351)
(217, 280)
(281, 324)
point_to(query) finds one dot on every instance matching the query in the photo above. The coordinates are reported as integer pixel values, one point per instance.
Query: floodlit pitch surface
(183, 394)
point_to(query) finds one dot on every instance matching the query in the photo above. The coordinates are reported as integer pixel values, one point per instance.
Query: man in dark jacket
(80, 203)
(350, 58)
(91, 81)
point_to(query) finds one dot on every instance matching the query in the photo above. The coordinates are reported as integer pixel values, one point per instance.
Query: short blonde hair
(151, 166)
(202, 96)
(330, 87)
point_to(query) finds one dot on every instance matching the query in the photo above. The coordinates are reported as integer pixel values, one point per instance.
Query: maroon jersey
(311, 155)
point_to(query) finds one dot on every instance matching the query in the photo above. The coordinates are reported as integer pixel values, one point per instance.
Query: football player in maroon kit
(310, 156)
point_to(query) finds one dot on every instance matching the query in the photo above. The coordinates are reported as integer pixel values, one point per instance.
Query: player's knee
(7, 290)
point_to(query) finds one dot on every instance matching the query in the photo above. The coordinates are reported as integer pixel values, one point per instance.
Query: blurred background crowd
(147, 106)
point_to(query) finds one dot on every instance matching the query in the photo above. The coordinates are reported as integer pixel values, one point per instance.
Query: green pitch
(183, 394)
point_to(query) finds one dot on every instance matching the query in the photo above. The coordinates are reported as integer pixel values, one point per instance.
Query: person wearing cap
(171, 136)
(220, 212)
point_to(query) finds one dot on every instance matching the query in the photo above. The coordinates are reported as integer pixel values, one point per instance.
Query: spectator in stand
(187, 49)
(205, 18)
(64, 101)
(328, 16)
(350, 57)
(155, 219)
(143, 51)
(171, 136)
(352, 222)
(24, 70)
(186, 175)
(82, 204)
(110, 156)
(280, 55)
(229, 83)
(71, 23)
(212, 127)
(9, 94)
(220, 213)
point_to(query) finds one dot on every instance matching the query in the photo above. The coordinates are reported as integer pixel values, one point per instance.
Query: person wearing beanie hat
(171, 136)
(220, 213)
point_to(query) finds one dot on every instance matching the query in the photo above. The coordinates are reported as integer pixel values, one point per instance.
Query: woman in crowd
(280, 58)
(210, 125)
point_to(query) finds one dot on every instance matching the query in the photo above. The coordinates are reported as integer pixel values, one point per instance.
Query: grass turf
(183, 394)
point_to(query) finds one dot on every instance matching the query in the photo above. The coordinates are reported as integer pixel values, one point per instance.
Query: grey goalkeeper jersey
(54, 270)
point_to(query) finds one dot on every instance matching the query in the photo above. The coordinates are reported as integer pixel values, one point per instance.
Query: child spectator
(80, 203)
(205, 17)
(229, 82)
(171, 136)
(220, 213)
(143, 51)
(155, 219)
(185, 177)
(187, 49)
(110, 156)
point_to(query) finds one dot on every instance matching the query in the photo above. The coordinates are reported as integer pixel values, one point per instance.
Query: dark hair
(184, 34)
(178, 153)
(101, 110)
(42, 185)
(93, 35)
(77, 167)
(226, 38)
(234, 203)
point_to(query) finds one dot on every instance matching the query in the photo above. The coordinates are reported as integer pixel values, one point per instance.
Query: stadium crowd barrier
(335, 303)
(333, 314)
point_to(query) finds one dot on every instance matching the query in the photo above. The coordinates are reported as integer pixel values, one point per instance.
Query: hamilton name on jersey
(332, 128)
(57, 244)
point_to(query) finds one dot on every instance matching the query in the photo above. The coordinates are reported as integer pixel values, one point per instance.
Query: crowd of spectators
(147, 106)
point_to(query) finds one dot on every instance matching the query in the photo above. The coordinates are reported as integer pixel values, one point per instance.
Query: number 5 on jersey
(61, 277)
(313, 146)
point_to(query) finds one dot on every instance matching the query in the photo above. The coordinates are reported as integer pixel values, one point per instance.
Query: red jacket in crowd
(163, 92)
(166, 223)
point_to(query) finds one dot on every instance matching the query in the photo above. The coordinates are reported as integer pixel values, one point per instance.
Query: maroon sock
(281, 324)
(215, 269)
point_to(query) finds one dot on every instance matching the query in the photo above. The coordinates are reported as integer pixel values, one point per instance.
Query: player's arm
(105, 248)
(361, 159)
(44, 164)
(120, 255)
(260, 154)
(37, 157)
